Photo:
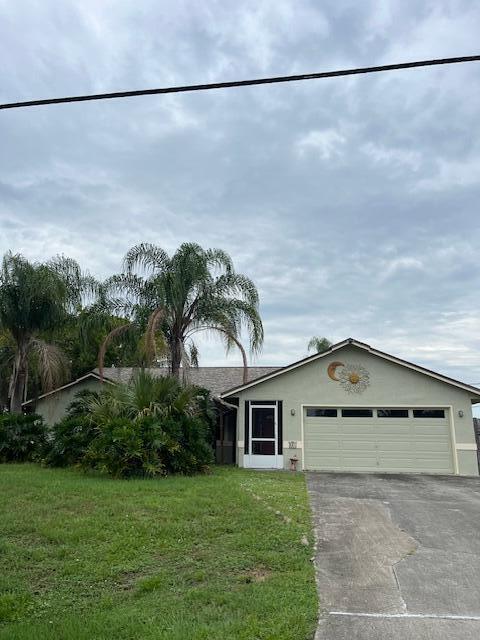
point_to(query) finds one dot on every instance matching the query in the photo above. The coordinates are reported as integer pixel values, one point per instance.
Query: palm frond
(104, 346)
(219, 258)
(236, 284)
(52, 363)
(146, 256)
(80, 286)
(230, 340)
(155, 344)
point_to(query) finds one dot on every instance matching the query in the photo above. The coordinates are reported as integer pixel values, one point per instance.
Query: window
(263, 422)
(392, 413)
(316, 412)
(357, 413)
(428, 413)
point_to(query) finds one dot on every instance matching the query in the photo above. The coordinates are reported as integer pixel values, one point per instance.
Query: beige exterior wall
(53, 407)
(391, 385)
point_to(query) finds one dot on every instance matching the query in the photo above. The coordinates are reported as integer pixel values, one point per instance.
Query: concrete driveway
(398, 556)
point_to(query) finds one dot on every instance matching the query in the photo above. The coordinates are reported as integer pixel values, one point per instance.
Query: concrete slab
(392, 547)
(337, 628)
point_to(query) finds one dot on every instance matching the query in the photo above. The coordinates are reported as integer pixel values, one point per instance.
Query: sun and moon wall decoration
(354, 378)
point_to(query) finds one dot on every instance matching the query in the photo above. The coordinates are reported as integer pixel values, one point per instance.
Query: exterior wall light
(460, 414)
(292, 412)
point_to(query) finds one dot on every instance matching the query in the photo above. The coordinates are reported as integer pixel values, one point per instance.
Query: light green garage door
(378, 439)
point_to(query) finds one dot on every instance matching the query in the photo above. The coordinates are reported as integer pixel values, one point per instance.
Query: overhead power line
(240, 83)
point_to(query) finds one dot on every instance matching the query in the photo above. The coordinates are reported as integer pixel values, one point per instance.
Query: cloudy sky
(353, 203)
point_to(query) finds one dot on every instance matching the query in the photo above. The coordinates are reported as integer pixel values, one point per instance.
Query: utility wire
(241, 83)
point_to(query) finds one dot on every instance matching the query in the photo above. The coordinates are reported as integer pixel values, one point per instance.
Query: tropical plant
(22, 438)
(82, 335)
(150, 426)
(319, 344)
(175, 298)
(144, 395)
(35, 299)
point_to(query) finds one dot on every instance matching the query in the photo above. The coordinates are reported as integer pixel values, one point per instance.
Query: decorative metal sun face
(354, 378)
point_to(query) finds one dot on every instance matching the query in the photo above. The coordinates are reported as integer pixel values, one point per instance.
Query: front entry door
(263, 445)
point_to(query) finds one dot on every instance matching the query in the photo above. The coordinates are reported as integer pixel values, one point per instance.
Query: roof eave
(91, 374)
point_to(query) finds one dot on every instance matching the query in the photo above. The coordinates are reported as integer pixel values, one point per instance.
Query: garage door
(378, 439)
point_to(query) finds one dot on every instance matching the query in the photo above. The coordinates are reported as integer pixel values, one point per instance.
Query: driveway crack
(397, 582)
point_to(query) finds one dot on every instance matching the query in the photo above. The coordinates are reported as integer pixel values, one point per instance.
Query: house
(351, 408)
(354, 408)
(52, 406)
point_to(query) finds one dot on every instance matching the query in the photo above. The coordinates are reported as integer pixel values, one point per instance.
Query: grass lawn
(217, 557)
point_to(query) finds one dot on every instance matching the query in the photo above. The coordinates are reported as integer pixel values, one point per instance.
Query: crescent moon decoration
(332, 367)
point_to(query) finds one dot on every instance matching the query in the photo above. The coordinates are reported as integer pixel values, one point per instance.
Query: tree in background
(82, 335)
(35, 299)
(319, 344)
(175, 298)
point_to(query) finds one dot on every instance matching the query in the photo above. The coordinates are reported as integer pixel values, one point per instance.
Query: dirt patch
(260, 574)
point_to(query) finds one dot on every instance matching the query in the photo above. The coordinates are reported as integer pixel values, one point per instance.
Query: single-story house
(351, 408)
(53, 405)
(354, 408)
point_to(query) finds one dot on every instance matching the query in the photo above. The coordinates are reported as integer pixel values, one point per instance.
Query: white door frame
(262, 461)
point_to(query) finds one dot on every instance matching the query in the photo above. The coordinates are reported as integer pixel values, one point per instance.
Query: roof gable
(87, 376)
(361, 345)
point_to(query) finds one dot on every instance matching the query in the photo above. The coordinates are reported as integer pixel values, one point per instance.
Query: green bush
(150, 446)
(68, 441)
(189, 450)
(149, 427)
(22, 437)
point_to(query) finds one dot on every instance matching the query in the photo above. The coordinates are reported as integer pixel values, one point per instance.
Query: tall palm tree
(319, 344)
(34, 299)
(195, 290)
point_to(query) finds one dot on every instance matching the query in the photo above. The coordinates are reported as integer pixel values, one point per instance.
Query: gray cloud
(351, 202)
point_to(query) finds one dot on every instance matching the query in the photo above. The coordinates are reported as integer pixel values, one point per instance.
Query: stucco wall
(390, 385)
(53, 407)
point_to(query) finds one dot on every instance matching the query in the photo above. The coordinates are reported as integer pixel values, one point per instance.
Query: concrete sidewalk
(397, 557)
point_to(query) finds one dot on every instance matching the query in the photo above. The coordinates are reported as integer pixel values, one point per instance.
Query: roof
(87, 376)
(215, 379)
(361, 345)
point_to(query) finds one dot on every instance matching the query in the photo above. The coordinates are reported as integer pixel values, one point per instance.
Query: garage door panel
(378, 444)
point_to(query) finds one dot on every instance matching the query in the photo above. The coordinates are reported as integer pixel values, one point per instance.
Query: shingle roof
(215, 379)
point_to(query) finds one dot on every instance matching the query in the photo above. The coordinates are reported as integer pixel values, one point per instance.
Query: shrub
(151, 426)
(68, 441)
(22, 437)
(150, 446)
(192, 452)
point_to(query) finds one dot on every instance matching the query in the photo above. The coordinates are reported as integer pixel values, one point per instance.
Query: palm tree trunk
(176, 357)
(18, 380)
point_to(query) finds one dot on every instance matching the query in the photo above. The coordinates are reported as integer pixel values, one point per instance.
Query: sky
(353, 203)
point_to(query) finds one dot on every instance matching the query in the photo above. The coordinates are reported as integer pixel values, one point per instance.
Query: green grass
(217, 557)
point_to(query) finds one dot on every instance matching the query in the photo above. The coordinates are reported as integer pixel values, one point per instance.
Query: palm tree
(319, 344)
(176, 298)
(144, 395)
(34, 299)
